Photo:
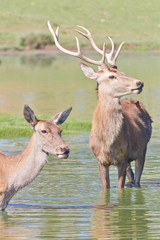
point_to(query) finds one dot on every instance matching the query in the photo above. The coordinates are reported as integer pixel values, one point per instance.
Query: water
(50, 83)
(66, 200)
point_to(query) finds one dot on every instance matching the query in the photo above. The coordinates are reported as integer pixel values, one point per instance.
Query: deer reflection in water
(126, 220)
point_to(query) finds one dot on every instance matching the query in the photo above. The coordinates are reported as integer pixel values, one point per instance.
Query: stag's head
(47, 133)
(109, 79)
(112, 82)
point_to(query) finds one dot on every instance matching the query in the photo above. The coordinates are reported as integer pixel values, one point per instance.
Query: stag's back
(137, 119)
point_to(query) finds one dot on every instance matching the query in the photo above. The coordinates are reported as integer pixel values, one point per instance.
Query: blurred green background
(24, 23)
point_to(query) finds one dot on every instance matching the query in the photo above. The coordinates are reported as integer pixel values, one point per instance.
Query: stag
(17, 171)
(121, 128)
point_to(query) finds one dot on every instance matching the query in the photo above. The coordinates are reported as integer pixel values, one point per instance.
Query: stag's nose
(139, 84)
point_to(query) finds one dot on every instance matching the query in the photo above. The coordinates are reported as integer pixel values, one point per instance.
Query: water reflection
(128, 220)
(11, 229)
(37, 60)
(44, 224)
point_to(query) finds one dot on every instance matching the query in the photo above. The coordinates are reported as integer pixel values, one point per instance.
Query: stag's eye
(44, 131)
(112, 77)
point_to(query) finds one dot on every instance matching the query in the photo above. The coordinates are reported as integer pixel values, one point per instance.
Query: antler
(78, 53)
(109, 55)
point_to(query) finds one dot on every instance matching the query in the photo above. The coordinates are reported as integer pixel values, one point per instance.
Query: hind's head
(48, 133)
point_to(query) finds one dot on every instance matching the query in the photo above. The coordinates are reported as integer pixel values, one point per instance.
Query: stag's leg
(122, 174)
(139, 164)
(130, 175)
(104, 173)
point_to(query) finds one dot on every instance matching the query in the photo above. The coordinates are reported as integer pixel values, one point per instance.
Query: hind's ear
(30, 116)
(59, 118)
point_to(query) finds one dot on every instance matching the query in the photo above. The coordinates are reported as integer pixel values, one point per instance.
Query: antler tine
(109, 55)
(118, 51)
(57, 32)
(85, 29)
(78, 47)
(111, 61)
(78, 53)
(55, 36)
(86, 59)
(103, 55)
(89, 37)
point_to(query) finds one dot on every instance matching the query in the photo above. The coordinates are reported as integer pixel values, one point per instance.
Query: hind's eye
(112, 77)
(44, 131)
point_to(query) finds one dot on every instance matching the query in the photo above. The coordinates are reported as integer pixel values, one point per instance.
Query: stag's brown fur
(119, 133)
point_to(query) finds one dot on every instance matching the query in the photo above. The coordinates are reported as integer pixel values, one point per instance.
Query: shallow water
(66, 200)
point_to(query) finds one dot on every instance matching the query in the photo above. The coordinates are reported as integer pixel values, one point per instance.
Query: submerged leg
(122, 174)
(139, 164)
(130, 175)
(104, 173)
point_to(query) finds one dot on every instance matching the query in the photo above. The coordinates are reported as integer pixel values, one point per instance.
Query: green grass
(133, 21)
(12, 125)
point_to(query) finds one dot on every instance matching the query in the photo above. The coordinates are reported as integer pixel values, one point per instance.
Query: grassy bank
(12, 125)
(24, 23)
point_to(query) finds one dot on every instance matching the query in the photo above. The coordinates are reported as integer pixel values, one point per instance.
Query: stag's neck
(29, 164)
(109, 104)
(108, 119)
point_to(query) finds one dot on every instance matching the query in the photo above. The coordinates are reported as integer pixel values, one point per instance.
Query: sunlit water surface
(66, 200)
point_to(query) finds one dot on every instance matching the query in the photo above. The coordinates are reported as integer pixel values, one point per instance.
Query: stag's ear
(30, 116)
(59, 118)
(88, 71)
